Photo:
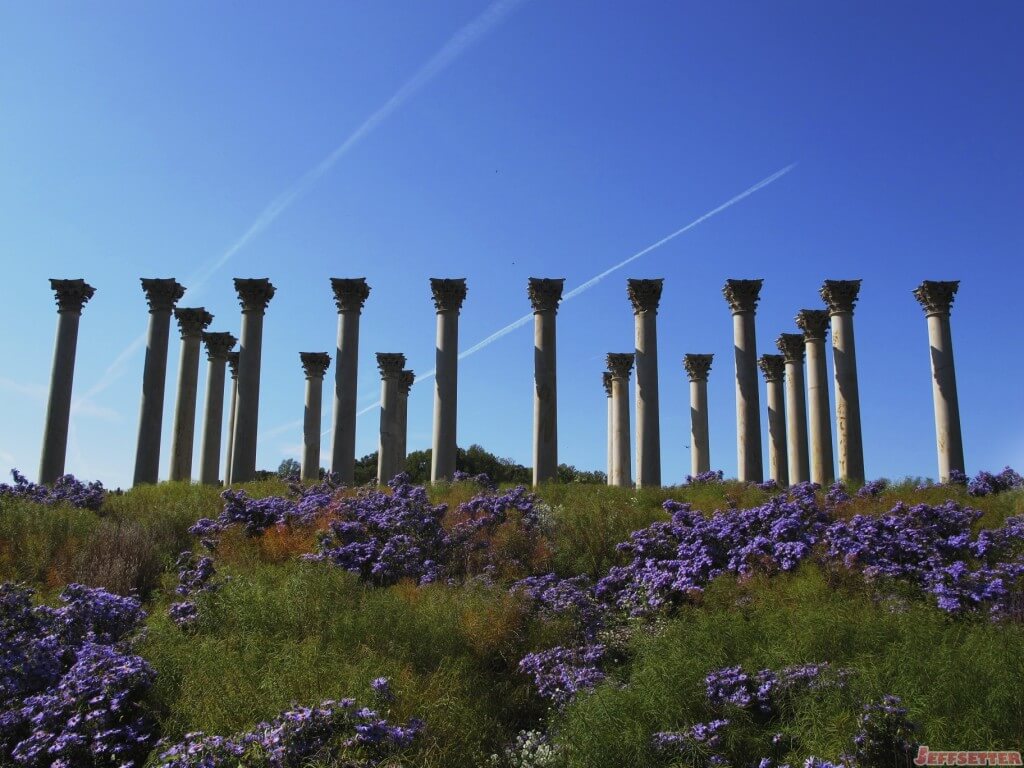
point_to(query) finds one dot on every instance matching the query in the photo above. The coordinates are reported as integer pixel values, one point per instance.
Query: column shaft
(390, 364)
(58, 409)
(851, 449)
(343, 453)
(218, 346)
(183, 433)
(254, 295)
(545, 400)
(621, 470)
(777, 459)
(822, 466)
(311, 430)
(748, 416)
(948, 438)
(154, 376)
(231, 429)
(448, 293)
(648, 428)
(796, 423)
(700, 453)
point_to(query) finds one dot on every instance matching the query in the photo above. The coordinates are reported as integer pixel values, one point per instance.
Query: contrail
(598, 278)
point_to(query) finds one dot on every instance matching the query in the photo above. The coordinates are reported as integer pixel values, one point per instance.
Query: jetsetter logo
(925, 756)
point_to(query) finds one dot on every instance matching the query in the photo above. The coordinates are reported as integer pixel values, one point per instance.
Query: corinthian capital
(545, 293)
(773, 367)
(162, 293)
(697, 366)
(620, 364)
(350, 293)
(813, 322)
(449, 293)
(254, 294)
(233, 358)
(792, 346)
(936, 296)
(606, 379)
(192, 321)
(390, 364)
(218, 345)
(71, 295)
(645, 295)
(840, 295)
(742, 295)
(314, 364)
(405, 381)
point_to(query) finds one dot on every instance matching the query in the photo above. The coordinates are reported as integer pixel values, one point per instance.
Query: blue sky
(554, 138)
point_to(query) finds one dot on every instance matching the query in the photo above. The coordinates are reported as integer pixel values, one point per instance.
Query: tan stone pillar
(606, 379)
(645, 295)
(233, 365)
(697, 369)
(314, 365)
(218, 347)
(620, 364)
(791, 345)
(162, 295)
(349, 296)
(936, 298)
(774, 369)
(390, 365)
(254, 295)
(191, 323)
(840, 296)
(743, 296)
(448, 297)
(405, 382)
(545, 294)
(71, 297)
(814, 323)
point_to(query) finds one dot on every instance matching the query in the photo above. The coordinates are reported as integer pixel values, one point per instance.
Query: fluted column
(405, 382)
(233, 366)
(545, 293)
(743, 296)
(814, 323)
(620, 364)
(218, 347)
(606, 379)
(349, 296)
(162, 295)
(774, 369)
(314, 365)
(840, 296)
(254, 295)
(191, 323)
(697, 369)
(791, 345)
(936, 298)
(448, 297)
(71, 296)
(645, 296)
(390, 365)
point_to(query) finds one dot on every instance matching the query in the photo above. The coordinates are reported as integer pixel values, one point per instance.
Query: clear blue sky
(554, 139)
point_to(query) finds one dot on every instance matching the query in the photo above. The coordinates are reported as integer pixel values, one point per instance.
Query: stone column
(791, 345)
(349, 296)
(545, 294)
(390, 365)
(191, 323)
(162, 295)
(254, 295)
(840, 296)
(606, 379)
(774, 369)
(233, 365)
(697, 369)
(936, 297)
(314, 364)
(645, 295)
(71, 297)
(814, 324)
(448, 297)
(405, 382)
(742, 296)
(218, 347)
(620, 364)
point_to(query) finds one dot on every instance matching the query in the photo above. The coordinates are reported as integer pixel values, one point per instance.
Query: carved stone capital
(792, 346)
(218, 345)
(620, 364)
(233, 358)
(742, 295)
(645, 295)
(545, 293)
(606, 379)
(350, 293)
(773, 367)
(162, 293)
(390, 364)
(314, 364)
(936, 296)
(840, 295)
(192, 321)
(254, 294)
(71, 295)
(814, 323)
(698, 366)
(405, 381)
(449, 293)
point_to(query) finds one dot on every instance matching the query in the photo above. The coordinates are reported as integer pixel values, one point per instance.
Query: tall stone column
(448, 297)
(742, 296)
(936, 298)
(545, 294)
(390, 365)
(314, 365)
(233, 365)
(254, 294)
(840, 296)
(162, 295)
(606, 379)
(405, 382)
(191, 322)
(697, 369)
(71, 297)
(218, 347)
(774, 369)
(791, 345)
(645, 296)
(814, 324)
(620, 364)
(349, 296)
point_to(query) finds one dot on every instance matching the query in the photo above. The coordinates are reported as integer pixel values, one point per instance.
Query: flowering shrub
(712, 476)
(66, 490)
(872, 489)
(194, 575)
(531, 749)
(762, 692)
(550, 596)
(885, 736)
(561, 673)
(692, 742)
(985, 483)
